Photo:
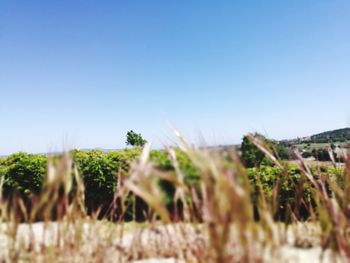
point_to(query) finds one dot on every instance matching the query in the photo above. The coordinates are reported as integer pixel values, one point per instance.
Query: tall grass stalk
(215, 221)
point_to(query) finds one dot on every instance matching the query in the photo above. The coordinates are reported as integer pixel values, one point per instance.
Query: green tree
(282, 151)
(134, 139)
(253, 157)
(250, 154)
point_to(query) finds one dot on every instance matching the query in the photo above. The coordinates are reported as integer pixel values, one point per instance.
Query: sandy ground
(149, 239)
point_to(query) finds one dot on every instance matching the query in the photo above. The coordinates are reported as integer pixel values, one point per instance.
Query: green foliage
(306, 154)
(190, 171)
(321, 154)
(253, 157)
(99, 174)
(134, 139)
(267, 176)
(282, 151)
(123, 159)
(2, 167)
(250, 154)
(161, 160)
(340, 135)
(23, 173)
(163, 163)
(100, 171)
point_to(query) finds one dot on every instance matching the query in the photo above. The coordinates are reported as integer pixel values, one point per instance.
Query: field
(317, 146)
(181, 204)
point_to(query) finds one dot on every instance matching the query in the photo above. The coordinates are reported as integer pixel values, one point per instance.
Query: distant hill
(339, 135)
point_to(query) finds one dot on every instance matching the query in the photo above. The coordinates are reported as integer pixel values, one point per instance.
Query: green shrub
(122, 159)
(100, 172)
(162, 162)
(2, 167)
(99, 175)
(23, 173)
(268, 176)
(190, 171)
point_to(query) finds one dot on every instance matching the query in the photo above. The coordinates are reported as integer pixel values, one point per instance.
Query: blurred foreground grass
(228, 214)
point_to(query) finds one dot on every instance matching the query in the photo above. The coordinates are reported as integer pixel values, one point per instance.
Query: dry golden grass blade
(265, 149)
(304, 167)
(145, 185)
(331, 156)
(220, 212)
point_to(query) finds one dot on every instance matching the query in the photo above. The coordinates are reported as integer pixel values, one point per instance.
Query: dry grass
(217, 221)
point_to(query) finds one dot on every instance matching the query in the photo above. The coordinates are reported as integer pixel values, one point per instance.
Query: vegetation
(252, 156)
(339, 135)
(102, 173)
(228, 212)
(328, 137)
(134, 139)
(23, 173)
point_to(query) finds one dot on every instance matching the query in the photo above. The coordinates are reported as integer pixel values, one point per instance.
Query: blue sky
(83, 73)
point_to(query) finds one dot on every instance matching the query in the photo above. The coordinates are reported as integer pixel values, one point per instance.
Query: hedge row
(23, 174)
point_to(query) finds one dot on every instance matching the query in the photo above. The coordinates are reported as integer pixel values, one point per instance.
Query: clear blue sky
(85, 72)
